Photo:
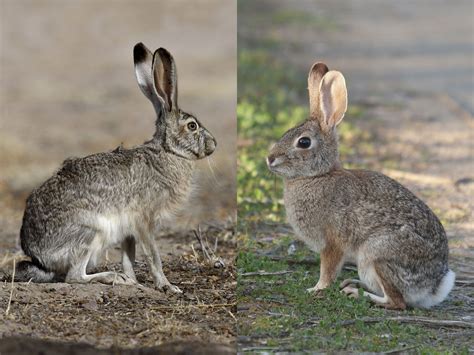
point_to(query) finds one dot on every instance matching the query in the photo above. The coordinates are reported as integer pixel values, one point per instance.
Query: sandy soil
(68, 89)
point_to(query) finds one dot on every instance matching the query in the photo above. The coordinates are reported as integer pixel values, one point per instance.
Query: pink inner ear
(333, 98)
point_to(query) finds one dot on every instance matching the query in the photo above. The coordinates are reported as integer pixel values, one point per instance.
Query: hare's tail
(27, 270)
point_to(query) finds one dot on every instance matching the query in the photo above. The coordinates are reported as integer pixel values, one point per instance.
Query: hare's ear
(318, 70)
(143, 60)
(168, 78)
(332, 99)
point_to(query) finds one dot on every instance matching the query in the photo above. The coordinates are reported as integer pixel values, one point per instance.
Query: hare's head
(178, 132)
(310, 149)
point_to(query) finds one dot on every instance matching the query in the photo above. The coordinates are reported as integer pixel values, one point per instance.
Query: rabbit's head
(310, 149)
(178, 132)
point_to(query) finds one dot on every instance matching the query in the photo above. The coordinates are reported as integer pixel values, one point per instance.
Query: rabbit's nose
(270, 160)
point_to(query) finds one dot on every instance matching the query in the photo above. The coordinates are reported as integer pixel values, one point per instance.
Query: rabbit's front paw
(315, 291)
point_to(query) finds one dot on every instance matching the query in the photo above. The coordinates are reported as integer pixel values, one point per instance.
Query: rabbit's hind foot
(353, 282)
(391, 299)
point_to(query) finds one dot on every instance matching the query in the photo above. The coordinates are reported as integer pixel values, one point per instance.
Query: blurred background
(68, 89)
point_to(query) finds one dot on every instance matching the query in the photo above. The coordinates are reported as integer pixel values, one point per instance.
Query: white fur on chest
(115, 227)
(304, 230)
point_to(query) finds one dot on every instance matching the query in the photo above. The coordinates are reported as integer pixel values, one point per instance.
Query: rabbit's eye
(192, 126)
(304, 142)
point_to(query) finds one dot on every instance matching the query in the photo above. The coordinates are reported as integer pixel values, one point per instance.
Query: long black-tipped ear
(169, 78)
(143, 60)
(318, 70)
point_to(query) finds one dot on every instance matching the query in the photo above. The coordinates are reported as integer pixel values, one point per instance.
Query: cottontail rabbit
(358, 216)
(116, 197)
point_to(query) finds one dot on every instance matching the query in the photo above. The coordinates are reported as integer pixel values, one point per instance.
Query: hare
(359, 216)
(116, 197)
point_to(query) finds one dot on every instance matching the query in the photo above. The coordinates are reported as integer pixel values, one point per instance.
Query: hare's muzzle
(210, 145)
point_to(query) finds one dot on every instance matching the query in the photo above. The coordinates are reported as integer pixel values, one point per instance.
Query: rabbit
(357, 216)
(118, 197)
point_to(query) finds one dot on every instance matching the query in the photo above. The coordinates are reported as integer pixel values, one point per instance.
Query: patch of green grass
(290, 318)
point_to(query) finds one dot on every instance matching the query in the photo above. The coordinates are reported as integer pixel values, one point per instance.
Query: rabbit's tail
(428, 298)
(27, 270)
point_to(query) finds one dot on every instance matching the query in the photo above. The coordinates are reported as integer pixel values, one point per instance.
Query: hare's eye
(192, 126)
(304, 142)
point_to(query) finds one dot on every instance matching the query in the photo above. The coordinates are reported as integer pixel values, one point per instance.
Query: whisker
(212, 170)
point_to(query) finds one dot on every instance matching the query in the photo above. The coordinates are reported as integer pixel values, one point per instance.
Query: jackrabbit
(116, 197)
(398, 244)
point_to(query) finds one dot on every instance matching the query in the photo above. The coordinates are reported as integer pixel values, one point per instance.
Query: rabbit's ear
(168, 78)
(332, 99)
(143, 60)
(318, 70)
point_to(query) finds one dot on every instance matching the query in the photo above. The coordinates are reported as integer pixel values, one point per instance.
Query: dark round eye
(304, 142)
(192, 126)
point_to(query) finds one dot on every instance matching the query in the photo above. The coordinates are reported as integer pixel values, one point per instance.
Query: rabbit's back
(360, 206)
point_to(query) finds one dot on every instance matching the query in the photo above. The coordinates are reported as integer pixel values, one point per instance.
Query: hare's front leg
(128, 257)
(153, 260)
(332, 259)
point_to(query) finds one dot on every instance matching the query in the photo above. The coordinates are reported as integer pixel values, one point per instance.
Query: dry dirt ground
(68, 89)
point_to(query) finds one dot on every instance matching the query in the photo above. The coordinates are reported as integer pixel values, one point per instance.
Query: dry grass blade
(7, 311)
(208, 253)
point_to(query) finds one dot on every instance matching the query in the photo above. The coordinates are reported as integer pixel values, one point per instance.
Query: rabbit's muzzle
(273, 161)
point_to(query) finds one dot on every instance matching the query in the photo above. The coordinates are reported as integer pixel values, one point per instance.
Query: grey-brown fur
(360, 216)
(116, 197)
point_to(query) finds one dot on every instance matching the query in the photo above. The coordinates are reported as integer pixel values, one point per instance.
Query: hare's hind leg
(78, 271)
(128, 257)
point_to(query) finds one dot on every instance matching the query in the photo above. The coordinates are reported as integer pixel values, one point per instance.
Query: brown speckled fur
(358, 216)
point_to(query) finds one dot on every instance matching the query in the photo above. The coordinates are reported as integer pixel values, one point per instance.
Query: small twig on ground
(211, 257)
(435, 323)
(265, 273)
(231, 314)
(306, 261)
(400, 350)
(185, 306)
(7, 311)
(292, 261)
